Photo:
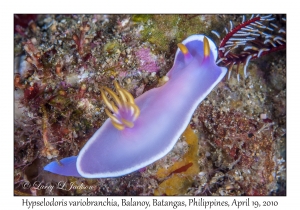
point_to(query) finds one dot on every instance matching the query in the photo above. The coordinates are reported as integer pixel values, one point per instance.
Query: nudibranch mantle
(165, 112)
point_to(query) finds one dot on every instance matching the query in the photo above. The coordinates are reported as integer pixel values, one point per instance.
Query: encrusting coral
(181, 175)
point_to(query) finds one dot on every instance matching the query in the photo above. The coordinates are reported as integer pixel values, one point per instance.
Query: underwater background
(235, 143)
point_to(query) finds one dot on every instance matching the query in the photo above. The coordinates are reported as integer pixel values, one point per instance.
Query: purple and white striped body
(165, 112)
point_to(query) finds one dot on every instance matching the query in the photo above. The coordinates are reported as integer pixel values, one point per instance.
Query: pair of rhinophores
(142, 130)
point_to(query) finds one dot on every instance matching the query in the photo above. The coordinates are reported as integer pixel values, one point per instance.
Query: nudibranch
(142, 130)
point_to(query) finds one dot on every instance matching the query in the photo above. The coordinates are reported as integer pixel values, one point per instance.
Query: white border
(8, 8)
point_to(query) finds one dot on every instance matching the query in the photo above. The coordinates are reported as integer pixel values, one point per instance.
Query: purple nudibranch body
(165, 112)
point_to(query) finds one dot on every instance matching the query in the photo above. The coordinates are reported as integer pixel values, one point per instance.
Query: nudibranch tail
(123, 108)
(66, 167)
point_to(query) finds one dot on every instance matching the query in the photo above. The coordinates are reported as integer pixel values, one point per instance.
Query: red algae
(146, 60)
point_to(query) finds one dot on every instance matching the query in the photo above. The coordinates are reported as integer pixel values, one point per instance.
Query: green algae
(111, 47)
(59, 101)
(161, 30)
(140, 18)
